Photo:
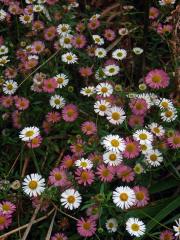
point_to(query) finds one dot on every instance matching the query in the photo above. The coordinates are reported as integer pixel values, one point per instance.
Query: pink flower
(163, 29)
(57, 177)
(16, 119)
(80, 27)
(51, 2)
(109, 34)
(136, 121)
(142, 196)
(174, 141)
(70, 113)
(85, 71)
(93, 212)
(36, 202)
(138, 106)
(38, 47)
(78, 41)
(166, 235)
(153, 13)
(6, 101)
(59, 236)
(35, 142)
(67, 162)
(157, 78)
(85, 177)
(89, 128)
(49, 85)
(96, 158)
(50, 33)
(78, 148)
(10, 73)
(86, 227)
(132, 149)
(53, 117)
(46, 126)
(93, 24)
(31, 63)
(125, 173)
(7, 208)
(105, 173)
(21, 103)
(5, 221)
(37, 25)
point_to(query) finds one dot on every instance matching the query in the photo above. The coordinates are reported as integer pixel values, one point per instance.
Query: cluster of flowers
(122, 134)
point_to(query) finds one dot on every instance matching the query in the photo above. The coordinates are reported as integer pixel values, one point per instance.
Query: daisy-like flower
(125, 173)
(112, 158)
(69, 58)
(166, 2)
(132, 149)
(26, 18)
(124, 197)
(3, 14)
(29, 133)
(166, 235)
(111, 70)
(174, 140)
(83, 163)
(112, 225)
(57, 177)
(135, 227)
(142, 196)
(65, 41)
(10, 87)
(4, 60)
(119, 54)
(157, 78)
(138, 50)
(98, 40)
(71, 199)
(59, 236)
(86, 227)
(6, 207)
(85, 177)
(100, 52)
(165, 104)
(88, 91)
(5, 221)
(169, 115)
(177, 228)
(154, 158)
(100, 75)
(105, 173)
(114, 143)
(104, 89)
(57, 102)
(89, 128)
(70, 113)
(145, 147)
(138, 106)
(143, 136)
(35, 142)
(62, 80)
(63, 29)
(101, 107)
(3, 50)
(156, 129)
(33, 185)
(38, 8)
(116, 115)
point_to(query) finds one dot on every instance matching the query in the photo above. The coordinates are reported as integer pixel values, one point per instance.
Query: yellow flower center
(112, 157)
(139, 106)
(58, 176)
(10, 87)
(104, 89)
(32, 184)
(143, 147)
(164, 104)
(86, 225)
(143, 136)
(60, 80)
(140, 196)
(83, 164)
(105, 172)
(176, 140)
(71, 199)
(156, 130)
(5, 207)
(102, 108)
(135, 227)
(57, 101)
(111, 70)
(67, 40)
(115, 143)
(130, 147)
(153, 157)
(2, 220)
(111, 225)
(168, 114)
(116, 116)
(29, 133)
(156, 78)
(123, 197)
(69, 58)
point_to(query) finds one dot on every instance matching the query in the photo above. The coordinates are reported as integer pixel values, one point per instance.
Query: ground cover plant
(89, 102)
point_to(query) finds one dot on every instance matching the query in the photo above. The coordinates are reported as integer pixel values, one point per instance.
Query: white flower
(38, 8)
(63, 29)
(41, 1)
(138, 50)
(26, 18)
(111, 70)
(71, 199)
(112, 225)
(114, 143)
(69, 58)
(166, 2)
(4, 60)
(101, 107)
(65, 41)
(100, 52)
(124, 197)
(62, 80)
(104, 89)
(33, 57)
(30, 1)
(177, 228)
(83, 163)
(100, 75)
(169, 115)
(98, 40)
(119, 54)
(157, 129)
(3, 14)
(88, 91)
(123, 31)
(165, 104)
(95, 17)
(3, 50)
(57, 101)
(10, 87)
(33, 185)
(28, 133)
(145, 147)
(154, 158)
(143, 136)
(116, 115)
(112, 158)
(135, 227)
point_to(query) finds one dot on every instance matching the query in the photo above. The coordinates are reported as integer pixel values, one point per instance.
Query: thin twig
(51, 226)
(14, 164)
(61, 211)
